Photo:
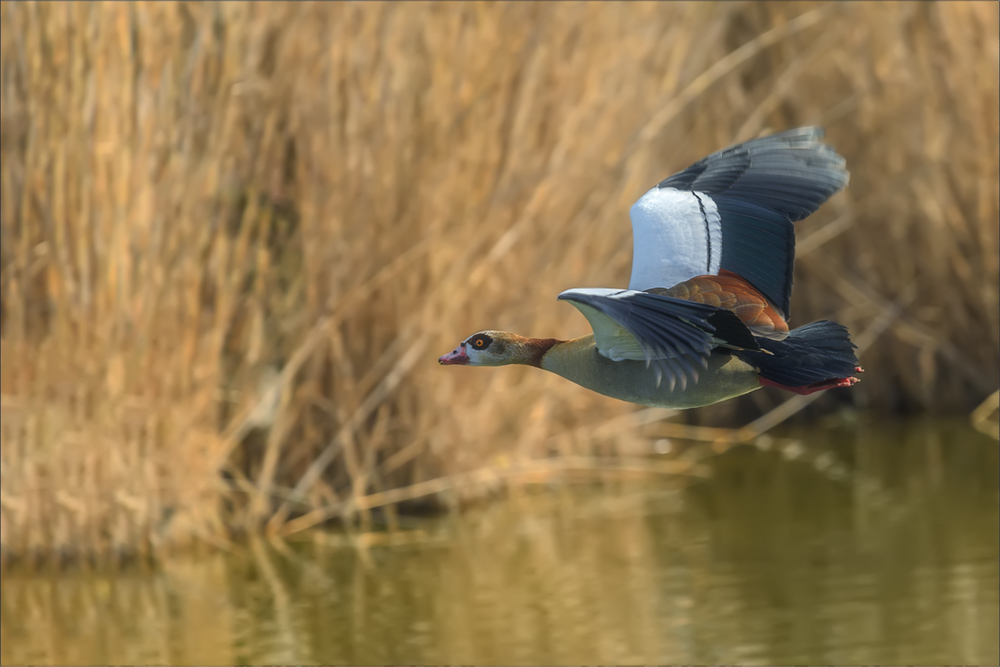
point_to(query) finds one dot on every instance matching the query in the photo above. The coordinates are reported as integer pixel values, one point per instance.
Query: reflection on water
(770, 560)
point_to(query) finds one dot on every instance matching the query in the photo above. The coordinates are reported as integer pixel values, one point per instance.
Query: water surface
(877, 545)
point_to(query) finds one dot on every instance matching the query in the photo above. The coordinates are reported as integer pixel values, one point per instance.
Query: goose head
(497, 348)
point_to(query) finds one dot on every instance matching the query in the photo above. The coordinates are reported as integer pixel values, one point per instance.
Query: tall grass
(237, 236)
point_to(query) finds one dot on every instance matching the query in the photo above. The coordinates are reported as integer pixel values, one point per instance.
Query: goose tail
(811, 358)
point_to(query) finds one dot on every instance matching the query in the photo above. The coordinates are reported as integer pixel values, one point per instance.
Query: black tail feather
(811, 354)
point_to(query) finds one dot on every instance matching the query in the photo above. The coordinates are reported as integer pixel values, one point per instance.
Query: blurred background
(236, 237)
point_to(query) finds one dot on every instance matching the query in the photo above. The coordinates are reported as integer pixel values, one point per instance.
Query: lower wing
(674, 336)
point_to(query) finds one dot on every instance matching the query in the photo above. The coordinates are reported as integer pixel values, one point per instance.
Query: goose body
(579, 361)
(704, 318)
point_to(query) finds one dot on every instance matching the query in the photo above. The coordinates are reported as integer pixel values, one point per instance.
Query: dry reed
(236, 236)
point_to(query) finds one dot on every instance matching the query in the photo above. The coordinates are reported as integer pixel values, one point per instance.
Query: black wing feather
(676, 335)
(760, 188)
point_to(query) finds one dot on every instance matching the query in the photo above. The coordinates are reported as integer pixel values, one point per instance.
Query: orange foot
(815, 386)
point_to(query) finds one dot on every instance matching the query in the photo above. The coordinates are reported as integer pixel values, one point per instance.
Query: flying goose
(705, 315)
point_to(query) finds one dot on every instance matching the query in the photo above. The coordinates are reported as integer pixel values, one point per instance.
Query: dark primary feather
(760, 188)
(675, 334)
(730, 328)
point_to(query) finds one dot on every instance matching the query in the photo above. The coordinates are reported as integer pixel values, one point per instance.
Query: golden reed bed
(237, 236)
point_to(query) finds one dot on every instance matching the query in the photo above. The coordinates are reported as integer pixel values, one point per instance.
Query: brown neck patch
(535, 349)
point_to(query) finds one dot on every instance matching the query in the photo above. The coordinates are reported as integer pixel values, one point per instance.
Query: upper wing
(673, 335)
(734, 210)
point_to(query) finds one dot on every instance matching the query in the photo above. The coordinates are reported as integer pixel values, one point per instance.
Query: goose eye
(480, 343)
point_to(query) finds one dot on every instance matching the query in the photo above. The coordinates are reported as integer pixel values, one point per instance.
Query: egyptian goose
(704, 318)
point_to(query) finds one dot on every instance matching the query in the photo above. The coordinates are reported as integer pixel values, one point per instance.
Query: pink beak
(456, 357)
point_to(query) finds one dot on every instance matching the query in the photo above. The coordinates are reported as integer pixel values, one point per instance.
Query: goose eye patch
(481, 342)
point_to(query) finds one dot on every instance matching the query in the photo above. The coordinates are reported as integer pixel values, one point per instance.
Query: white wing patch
(676, 235)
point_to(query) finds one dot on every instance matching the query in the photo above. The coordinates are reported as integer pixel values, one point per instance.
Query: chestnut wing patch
(731, 292)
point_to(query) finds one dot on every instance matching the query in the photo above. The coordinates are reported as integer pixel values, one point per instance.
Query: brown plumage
(728, 290)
